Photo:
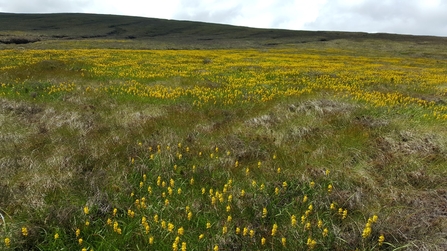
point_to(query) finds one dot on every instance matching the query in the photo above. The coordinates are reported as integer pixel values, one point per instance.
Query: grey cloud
(398, 16)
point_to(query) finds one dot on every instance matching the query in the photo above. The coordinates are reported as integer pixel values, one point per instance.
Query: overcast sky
(417, 17)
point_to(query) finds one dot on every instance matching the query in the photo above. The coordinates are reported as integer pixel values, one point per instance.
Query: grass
(332, 146)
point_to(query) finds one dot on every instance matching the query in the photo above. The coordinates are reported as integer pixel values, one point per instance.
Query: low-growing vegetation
(280, 149)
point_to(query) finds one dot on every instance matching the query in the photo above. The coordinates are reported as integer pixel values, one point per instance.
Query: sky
(416, 17)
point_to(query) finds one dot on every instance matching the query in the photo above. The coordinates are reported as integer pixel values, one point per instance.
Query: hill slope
(25, 28)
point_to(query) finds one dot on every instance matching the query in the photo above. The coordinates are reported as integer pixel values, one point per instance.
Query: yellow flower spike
(245, 231)
(224, 229)
(375, 218)
(327, 172)
(87, 223)
(283, 241)
(307, 226)
(276, 190)
(191, 181)
(262, 187)
(163, 184)
(172, 183)
(247, 171)
(166, 202)
(201, 236)
(144, 177)
(114, 212)
(170, 227)
(252, 233)
(229, 218)
(284, 184)
(181, 231)
(230, 198)
(228, 153)
(274, 156)
(264, 212)
(84, 249)
(311, 207)
(228, 208)
(189, 215)
(329, 188)
(156, 218)
(381, 239)
(344, 214)
(216, 248)
(8, 242)
(179, 191)
(263, 241)
(305, 199)
(24, 231)
(274, 229)
(293, 220)
(86, 210)
(333, 207)
(320, 223)
(236, 164)
(312, 184)
(238, 230)
(325, 232)
(183, 248)
(56, 236)
(208, 225)
(80, 241)
(163, 224)
(311, 243)
(151, 240)
(259, 164)
(242, 193)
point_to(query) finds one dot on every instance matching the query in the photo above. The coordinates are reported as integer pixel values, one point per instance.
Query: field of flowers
(280, 149)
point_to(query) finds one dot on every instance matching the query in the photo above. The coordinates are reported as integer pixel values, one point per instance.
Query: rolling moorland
(128, 133)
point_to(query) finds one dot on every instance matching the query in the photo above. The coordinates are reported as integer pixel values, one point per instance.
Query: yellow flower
(87, 223)
(252, 233)
(224, 229)
(183, 246)
(311, 243)
(312, 184)
(264, 212)
(366, 232)
(201, 236)
(115, 211)
(181, 231)
(56, 236)
(151, 240)
(325, 232)
(84, 249)
(245, 231)
(170, 227)
(216, 248)
(238, 230)
(189, 215)
(262, 241)
(278, 170)
(304, 198)
(329, 188)
(229, 218)
(208, 225)
(78, 232)
(293, 220)
(274, 229)
(86, 210)
(283, 241)
(80, 241)
(7, 242)
(24, 231)
(381, 239)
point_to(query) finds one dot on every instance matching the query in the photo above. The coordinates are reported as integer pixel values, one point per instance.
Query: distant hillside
(26, 28)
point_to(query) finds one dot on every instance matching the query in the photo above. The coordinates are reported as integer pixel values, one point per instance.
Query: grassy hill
(149, 33)
(126, 133)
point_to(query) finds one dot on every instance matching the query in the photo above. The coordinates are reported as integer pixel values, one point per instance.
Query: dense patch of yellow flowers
(236, 77)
